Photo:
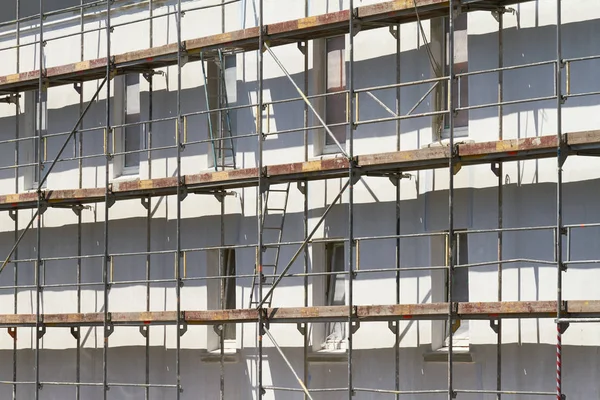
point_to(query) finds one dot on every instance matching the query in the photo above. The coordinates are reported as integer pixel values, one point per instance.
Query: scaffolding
(392, 165)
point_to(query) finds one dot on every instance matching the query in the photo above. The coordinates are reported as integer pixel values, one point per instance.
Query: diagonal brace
(303, 245)
(64, 146)
(43, 180)
(306, 101)
(304, 388)
(12, 251)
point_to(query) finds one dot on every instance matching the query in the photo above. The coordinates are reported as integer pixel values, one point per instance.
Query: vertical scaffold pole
(500, 174)
(106, 259)
(259, 199)
(351, 244)
(451, 239)
(148, 204)
(79, 152)
(398, 211)
(39, 166)
(16, 212)
(305, 330)
(560, 158)
(178, 281)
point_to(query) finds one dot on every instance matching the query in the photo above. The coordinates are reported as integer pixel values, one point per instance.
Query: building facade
(162, 139)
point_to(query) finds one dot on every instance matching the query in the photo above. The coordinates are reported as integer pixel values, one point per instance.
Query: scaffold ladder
(273, 221)
(219, 130)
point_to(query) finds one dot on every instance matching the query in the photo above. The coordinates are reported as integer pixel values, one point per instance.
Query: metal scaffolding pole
(180, 195)
(259, 200)
(303, 186)
(223, 293)
(78, 143)
(352, 180)
(107, 328)
(39, 131)
(398, 213)
(451, 238)
(561, 156)
(145, 330)
(15, 214)
(500, 175)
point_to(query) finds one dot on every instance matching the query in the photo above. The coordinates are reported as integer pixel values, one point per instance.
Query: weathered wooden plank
(396, 11)
(430, 311)
(426, 158)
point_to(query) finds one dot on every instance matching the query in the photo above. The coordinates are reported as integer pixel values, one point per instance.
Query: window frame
(332, 148)
(441, 39)
(331, 283)
(216, 266)
(128, 170)
(213, 68)
(32, 108)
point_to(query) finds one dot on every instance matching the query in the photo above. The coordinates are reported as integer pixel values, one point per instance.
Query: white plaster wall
(526, 368)
(529, 197)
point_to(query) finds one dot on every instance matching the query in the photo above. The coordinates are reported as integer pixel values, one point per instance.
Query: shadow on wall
(525, 368)
(531, 205)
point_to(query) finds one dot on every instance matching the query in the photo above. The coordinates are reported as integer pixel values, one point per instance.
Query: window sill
(126, 177)
(230, 356)
(460, 354)
(446, 142)
(326, 156)
(328, 356)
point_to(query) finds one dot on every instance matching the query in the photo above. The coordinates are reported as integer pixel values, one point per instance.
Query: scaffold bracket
(12, 214)
(301, 326)
(393, 326)
(75, 332)
(302, 46)
(220, 196)
(302, 186)
(218, 329)
(495, 325)
(183, 192)
(495, 167)
(78, 87)
(394, 31)
(144, 331)
(41, 331)
(395, 178)
(562, 151)
(12, 332)
(183, 326)
(145, 202)
(562, 327)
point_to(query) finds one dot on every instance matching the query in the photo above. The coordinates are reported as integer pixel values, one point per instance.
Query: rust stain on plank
(507, 146)
(431, 153)
(393, 7)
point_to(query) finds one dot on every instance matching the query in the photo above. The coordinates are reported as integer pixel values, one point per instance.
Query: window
(222, 93)
(131, 137)
(228, 289)
(37, 131)
(335, 82)
(460, 289)
(461, 65)
(222, 295)
(335, 293)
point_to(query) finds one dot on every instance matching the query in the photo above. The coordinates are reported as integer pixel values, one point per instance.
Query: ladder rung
(275, 209)
(278, 190)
